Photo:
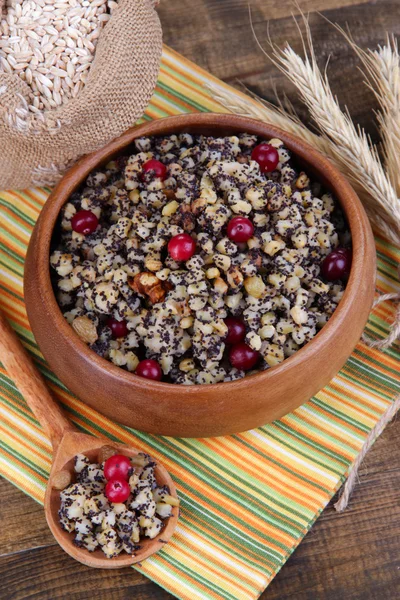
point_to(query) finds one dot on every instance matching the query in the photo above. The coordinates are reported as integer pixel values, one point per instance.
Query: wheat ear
(382, 68)
(353, 150)
(346, 145)
(263, 110)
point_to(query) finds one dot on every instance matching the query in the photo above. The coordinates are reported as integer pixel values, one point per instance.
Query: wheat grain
(383, 70)
(258, 108)
(47, 43)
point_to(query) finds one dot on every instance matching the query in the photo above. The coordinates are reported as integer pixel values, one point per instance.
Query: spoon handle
(30, 383)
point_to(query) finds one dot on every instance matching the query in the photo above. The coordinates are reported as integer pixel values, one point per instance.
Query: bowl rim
(73, 179)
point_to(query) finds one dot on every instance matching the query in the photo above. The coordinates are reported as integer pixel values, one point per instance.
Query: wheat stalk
(266, 111)
(387, 64)
(348, 146)
(353, 149)
(383, 70)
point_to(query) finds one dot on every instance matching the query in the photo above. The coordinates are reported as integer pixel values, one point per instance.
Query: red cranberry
(267, 157)
(236, 330)
(118, 328)
(243, 357)
(84, 221)
(181, 247)
(337, 265)
(159, 169)
(345, 252)
(240, 229)
(117, 467)
(117, 490)
(150, 369)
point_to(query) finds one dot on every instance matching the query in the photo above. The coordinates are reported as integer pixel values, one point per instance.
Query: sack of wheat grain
(74, 74)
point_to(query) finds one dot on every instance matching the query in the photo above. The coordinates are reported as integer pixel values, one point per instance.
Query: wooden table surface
(352, 556)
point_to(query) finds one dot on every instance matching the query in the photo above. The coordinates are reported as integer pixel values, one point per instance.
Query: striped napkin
(248, 499)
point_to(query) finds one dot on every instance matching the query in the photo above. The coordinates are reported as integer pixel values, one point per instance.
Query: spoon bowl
(67, 442)
(74, 443)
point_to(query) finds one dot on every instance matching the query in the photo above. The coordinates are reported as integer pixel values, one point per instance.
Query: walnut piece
(188, 222)
(234, 277)
(86, 329)
(197, 205)
(147, 284)
(169, 193)
(143, 282)
(302, 181)
(153, 264)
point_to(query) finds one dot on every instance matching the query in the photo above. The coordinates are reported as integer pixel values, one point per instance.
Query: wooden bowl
(206, 410)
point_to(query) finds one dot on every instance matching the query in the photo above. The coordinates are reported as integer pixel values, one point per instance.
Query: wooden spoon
(67, 442)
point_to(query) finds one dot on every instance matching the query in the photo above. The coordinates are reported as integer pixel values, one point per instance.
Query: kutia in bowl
(199, 259)
(232, 197)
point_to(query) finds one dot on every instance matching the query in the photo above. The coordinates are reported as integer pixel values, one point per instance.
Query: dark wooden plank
(47, 573)
(32, 565)
(220, 39)
(16, 511)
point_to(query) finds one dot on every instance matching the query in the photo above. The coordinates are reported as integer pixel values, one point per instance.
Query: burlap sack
(121, 81)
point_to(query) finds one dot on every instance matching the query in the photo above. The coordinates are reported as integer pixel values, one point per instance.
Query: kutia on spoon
(67, 442)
